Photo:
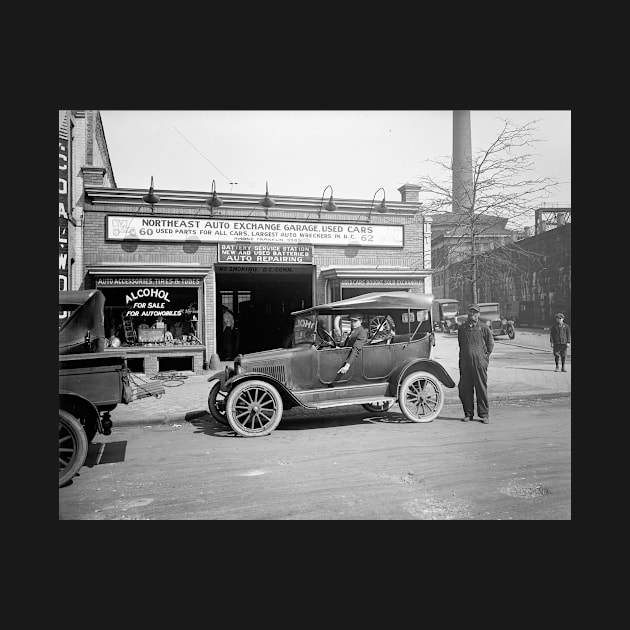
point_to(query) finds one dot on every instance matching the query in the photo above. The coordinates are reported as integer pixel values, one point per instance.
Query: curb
(518, 396)
(188, 416)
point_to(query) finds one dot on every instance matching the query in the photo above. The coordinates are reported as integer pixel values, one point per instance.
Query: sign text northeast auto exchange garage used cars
(134, 228)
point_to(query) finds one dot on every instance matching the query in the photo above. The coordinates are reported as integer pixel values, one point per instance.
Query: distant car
(391, 368)
(444, 313)
(489, 314)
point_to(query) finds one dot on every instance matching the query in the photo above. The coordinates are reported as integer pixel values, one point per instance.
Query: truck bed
(97, 376)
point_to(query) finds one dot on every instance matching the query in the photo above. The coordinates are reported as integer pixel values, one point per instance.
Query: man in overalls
(475, 346)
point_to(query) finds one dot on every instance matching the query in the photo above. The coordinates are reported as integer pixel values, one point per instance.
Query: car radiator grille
(277, 371)
(496, 324)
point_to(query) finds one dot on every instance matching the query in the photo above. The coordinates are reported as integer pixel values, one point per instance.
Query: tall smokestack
(462, 160)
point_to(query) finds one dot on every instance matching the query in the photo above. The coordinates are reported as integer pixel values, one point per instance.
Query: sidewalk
(505, 383)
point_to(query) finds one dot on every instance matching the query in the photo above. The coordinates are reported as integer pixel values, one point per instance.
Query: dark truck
(91, 381)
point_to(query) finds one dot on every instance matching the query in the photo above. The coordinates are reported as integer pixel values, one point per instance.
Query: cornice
(340, 273)
(135, 269)
(98, 195)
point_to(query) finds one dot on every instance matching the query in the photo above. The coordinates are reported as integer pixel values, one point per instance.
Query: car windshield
(312, 328)
(490, 309)
(304, 328)
(450, 310)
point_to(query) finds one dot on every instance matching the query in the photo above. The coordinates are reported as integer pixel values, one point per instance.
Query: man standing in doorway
(475, 346)
(228, 328)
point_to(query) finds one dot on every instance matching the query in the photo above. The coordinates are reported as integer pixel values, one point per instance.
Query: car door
(329, 361)
(378, 361)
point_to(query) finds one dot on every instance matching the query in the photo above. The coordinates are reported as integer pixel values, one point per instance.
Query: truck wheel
(73, 446)
(378, 407)
(254, 408)
(215, 396)
(421, 397)
(511, 332)
(90, 428)
(81, 413)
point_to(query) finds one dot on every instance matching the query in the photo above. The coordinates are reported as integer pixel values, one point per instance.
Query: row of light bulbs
(214, 201)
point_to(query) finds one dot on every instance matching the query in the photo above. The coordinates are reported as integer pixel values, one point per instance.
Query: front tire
(380, 407)
(511, 332)
(254, 408)
(421, 397)
(214, 396)
(73, 446)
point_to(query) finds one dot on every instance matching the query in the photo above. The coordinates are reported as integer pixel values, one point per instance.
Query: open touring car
(395, 366)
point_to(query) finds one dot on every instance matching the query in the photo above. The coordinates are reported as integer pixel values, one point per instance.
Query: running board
(351, 401)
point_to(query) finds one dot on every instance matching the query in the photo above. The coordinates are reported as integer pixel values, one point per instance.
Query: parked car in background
(444, 313)
(395, 367)
(489, 314)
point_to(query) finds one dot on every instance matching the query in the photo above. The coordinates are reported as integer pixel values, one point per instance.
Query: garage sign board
(207, 230)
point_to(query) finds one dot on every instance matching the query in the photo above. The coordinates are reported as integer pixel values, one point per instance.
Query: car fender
(419, 365)
(66, 396)
(288, 399)
(217, 376)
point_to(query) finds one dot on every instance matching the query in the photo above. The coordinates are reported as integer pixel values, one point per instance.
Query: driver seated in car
(356, 339)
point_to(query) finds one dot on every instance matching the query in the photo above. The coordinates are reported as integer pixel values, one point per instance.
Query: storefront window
(148, 315)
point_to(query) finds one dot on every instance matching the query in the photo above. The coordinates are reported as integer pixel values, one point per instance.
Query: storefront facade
(167, 270)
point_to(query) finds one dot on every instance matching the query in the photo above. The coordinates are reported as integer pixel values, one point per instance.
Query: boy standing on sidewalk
(560, 339)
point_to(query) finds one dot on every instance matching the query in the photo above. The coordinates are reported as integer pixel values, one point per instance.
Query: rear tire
(73, 446)
(254, 408)
(421, 397)
(381, 407)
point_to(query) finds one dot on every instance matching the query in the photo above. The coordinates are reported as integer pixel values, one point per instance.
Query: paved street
(167, 458)
(350, 465)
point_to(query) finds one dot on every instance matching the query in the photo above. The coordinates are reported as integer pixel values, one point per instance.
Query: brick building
(182, 259)
(185, 259)
(534, 296)
(451, 243)
(82, 155)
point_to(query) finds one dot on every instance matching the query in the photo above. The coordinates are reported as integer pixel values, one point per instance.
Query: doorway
(261, 300)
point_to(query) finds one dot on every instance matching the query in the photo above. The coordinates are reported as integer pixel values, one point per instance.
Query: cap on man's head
(356, 316)
(473, 307)
(560, 315)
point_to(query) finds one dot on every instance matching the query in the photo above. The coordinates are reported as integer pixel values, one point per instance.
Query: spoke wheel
(73, 446)
(421, 397)
(379, 407)
(254, 408)
(216, 404)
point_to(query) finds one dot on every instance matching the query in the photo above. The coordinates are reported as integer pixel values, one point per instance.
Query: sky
(301, 152)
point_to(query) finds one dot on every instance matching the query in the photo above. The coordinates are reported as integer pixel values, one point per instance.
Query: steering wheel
(327, 340)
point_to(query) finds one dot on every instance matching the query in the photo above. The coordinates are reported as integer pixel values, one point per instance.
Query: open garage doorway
(261, 299)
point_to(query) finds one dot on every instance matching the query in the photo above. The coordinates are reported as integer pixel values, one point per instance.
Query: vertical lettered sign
(64, 276)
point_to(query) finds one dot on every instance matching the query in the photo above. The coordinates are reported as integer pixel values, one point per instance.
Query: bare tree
(501, 190)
